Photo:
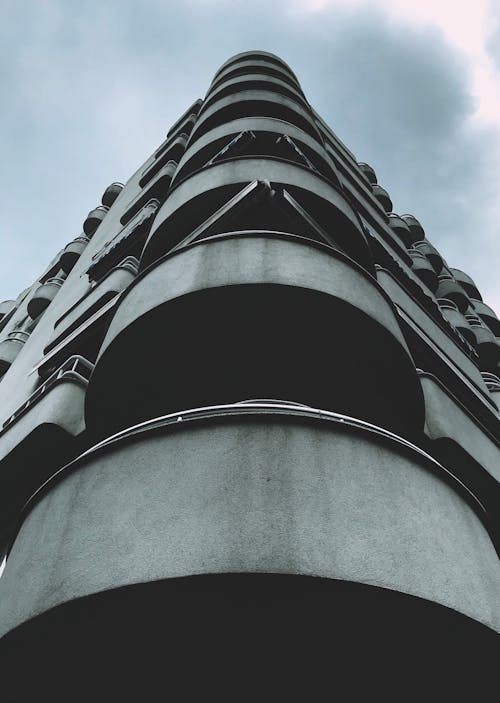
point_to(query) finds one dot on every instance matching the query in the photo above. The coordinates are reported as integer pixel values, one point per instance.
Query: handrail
(265, 407)
(18, 336)
(76, 368)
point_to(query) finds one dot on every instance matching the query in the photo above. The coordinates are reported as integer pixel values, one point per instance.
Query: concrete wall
(253, 494)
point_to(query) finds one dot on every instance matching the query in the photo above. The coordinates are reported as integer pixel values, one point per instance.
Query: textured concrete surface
(202, 150)
(199, 196)
(445, 418)
(61, 405)
(315, 311)
(264, 495)
(117, 280)
(245, 103)
(252, 260)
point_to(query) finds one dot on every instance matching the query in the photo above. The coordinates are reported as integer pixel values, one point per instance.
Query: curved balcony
(260, 68)
(43, 296)
(255, 488)
(39, 437)
(488, 316)
(111, 193)
(179, 124)
(94, 219)
(451, 313)
(255, 313)
(423, 269)
(487, 346)
(415, 227)
(252, 81)
(172, 155)
(258, 60)
(467, 284)
(400, 228)
(260, 56)
(268, 130)
(368, 172)
(383, 197)
(431, 253)
(492, 382)
(450, 425)
(10, 348)
(72, 252)
(204, 192)
(450, 289)
(433, 333)
(108, 287)
(5, 307)
(255, 103)
(156, 190)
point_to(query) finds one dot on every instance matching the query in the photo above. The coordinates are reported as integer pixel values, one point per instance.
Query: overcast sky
(90, 88)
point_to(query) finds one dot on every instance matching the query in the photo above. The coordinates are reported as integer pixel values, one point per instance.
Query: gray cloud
(93, 88)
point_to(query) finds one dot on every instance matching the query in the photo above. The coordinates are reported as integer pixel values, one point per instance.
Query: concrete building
(250, 426)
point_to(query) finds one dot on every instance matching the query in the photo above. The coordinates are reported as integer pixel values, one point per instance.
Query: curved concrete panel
(268, 630)
(265, 494)
(43, 296)
(264, 56)
(260, 62)
(445, 418)
(252, 81)
(255, 103)
(467, 283)
(207, 146)
(262, 68)
(199, 196)
(41, 439)
(487, 315)
(254, 315)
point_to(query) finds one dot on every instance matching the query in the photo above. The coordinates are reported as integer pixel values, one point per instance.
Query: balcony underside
(268, 316)
(207, 146)
(252, 81)
(279, 634)
(198, 197)
(257, 103)
(255, 65)
(35, 445)
(253, 490)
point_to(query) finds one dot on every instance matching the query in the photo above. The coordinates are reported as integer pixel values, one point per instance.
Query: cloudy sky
(90, 88)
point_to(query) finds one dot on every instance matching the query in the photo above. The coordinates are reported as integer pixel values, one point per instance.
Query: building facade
(249, 408)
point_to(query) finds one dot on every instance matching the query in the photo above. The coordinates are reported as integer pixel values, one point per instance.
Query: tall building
(250, 426)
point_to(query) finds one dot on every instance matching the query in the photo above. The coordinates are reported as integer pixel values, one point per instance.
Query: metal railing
(76, 369)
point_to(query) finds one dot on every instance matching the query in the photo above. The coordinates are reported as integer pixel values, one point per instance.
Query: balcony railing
(94, 219)
(75, 369)
(44, 295)
(111, 193)
(72, 252)
(491, 380)
(117, 247)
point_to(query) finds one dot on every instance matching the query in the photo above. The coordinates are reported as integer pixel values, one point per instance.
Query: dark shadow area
(233, 636)
(223, 345)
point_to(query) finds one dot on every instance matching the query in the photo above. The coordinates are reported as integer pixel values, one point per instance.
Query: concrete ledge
(253, 493)
(207, 146)
(35, 444)
(259, 103)
(280, 634)
(254, 314)
(198, 197)
(445, 418)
